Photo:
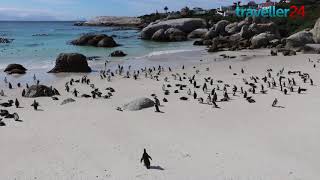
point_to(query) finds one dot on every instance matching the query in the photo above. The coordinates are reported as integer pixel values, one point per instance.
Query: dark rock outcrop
(118, 53)
(71, 62)
(15, 69)
(5, 40)
(39, 91)
(100, 40)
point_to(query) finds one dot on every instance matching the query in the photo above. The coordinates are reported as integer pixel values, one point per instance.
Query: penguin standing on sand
(16, 103)
(145, 158)
(75, 92)
(195, 95)
(67, 88)
(23, 93)
(35, 105)
(275, 102)
(156, 100)
(157, 107)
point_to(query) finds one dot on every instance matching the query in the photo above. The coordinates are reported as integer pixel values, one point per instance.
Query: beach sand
(90, 139)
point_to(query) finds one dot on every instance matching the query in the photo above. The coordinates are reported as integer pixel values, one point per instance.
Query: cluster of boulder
(250, 33)
(97, 40)
(15, 69)
(253, 33)
(174, 29)
(5, 40)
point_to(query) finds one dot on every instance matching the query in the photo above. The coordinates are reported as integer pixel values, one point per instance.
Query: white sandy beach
(90, 139)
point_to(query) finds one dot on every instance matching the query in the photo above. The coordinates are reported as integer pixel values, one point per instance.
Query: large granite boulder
(185, 25)
(245, 32)
(212, 33)
(138, 104)
(15, 69)
(221, 26)
(198, 33)
(174, 34)
(316, 31)
(118, 53)
(71, 62)
(299, 39)
(99, 40)
(311, 49)
(232, 28)
(266, 27)
(39, 91)
(262, 40)
(159, 36)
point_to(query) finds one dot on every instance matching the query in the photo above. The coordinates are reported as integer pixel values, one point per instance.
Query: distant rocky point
(5, 40)
(111, 21)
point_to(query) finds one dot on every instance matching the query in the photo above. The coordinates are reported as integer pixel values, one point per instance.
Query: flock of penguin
(208, 91)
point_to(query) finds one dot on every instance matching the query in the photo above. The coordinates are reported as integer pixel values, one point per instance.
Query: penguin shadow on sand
(157, 168)
(277, 106)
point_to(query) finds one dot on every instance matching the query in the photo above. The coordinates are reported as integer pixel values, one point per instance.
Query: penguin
(10, 85)
(67, 88)
(275, 102)
(157, 107)
(2, 123)
(7, 104)
(245, 94)
(145, 158)
(215, 104)
(35, 105)
(165, 100)
(156, 100)
(194, 95)
(23, 93)
(16, 103)
(189, 92)
(1, 92)
(75, 92)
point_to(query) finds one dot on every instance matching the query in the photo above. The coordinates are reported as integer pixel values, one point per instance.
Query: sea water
(37, 44)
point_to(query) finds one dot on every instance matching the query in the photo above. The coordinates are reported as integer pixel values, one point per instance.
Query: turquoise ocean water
(40, 52)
